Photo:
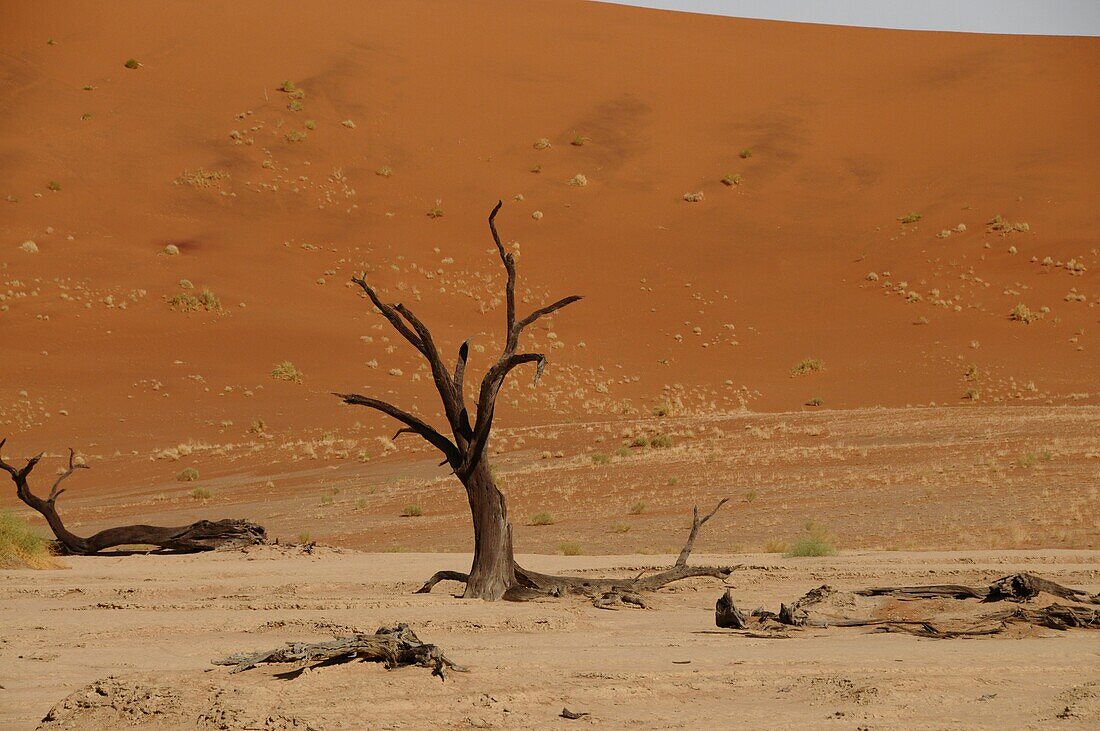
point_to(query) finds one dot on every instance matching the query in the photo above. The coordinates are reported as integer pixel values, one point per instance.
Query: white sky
(1031, 17)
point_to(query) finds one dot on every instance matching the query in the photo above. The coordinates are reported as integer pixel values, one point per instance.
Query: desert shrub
(571, 548)
(21, 547)
(385, 171)
(637, 508)
(412, 511)
(187, 474)
(436, 211)
(1023, 313)
(774, 546)
(132, 63)
(745, 154)
(620, 528)
(206, 301)
(622, 452)
(807, 365)
(911, 217)
(815, 401)
(662, 409)
(258, 427)
(661, 441)
(579, 141)
(731, 180)
(201, 493)
(286, 371)
(600, 459)
(750, 496)
(296, 135)
(542, 519)
(639, 441)
(54, 185)
(814, 541)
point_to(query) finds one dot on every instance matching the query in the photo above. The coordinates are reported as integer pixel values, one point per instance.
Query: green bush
(542, 519)
(412, 511)
(571, 548)
(814, 541)
(286, 371)
(187, 474)
(22, 548)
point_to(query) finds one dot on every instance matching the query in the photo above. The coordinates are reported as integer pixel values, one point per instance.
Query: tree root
(1017, 588)
(605, 593)
(394, 646)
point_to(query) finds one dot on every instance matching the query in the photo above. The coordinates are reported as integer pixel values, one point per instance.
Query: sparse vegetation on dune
(806, 366)
(286, 371)
(542, 519)
(187, 474)
(412, 511)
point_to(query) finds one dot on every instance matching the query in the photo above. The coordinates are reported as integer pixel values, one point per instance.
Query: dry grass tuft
(22, 548)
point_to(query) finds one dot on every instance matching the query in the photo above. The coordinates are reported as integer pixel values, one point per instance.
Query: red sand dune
(849, 129)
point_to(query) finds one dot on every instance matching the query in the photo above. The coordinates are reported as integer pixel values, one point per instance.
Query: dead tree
(494, 571)
(204, 535)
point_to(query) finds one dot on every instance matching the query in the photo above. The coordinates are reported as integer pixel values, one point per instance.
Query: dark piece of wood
(394, 646)
(1014, 587)
(203, 535)
(573, 715)
(696, 524)
(727, 615)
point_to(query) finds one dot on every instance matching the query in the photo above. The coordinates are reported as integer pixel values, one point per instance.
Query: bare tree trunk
(493, 571)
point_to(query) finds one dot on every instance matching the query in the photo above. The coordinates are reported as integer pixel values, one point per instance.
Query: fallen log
(203, 535)
(1017, 588)
(393, 646)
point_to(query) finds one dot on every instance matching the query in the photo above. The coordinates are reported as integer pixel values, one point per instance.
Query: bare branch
(509, 266)
(73, 467)
(389, 313)
(486, 403)
(514, 333)
(416, 424)
(696, 524)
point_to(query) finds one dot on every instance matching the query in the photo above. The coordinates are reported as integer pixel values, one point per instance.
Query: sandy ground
(153, 623)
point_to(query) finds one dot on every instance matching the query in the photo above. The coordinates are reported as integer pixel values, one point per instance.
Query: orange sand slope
(706, 304)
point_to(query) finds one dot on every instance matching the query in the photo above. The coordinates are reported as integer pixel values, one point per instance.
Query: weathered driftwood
(204, 535)
(394, 646)
(728, 616)
(1017, 588)
(493, 572)
(606, 593)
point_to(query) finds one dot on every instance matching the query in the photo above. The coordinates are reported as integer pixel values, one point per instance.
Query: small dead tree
(204, 535)
(494, 571)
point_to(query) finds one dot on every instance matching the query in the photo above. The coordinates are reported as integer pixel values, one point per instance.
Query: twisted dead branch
(203, 535)
(394, 646)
